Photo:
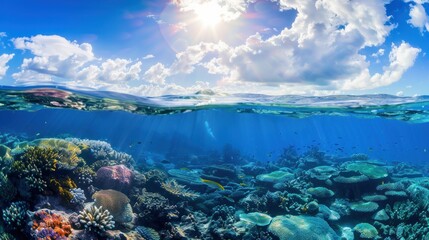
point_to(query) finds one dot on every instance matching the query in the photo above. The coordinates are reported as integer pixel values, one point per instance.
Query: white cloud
(186, 60)
(379, 53)
(149, 56)
(4, 59)
(157, 74)
(31, 77)
(54, 55)
(401, 58)
(3, 34)
(112, 70)
(419, 18)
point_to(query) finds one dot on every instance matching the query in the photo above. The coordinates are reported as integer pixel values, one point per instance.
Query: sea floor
(70, 188)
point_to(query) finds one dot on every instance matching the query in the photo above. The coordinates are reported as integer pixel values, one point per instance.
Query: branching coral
(35, 165)
(14, 216)
(63, 187)
(178, 190)
(78, 196)
(49, 225)
(68, 152)
(100, 150)
(97, 220)
(84, 175)
(7, 190)
(152, 207)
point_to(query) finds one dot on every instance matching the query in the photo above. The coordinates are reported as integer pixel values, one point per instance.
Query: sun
(208, 14)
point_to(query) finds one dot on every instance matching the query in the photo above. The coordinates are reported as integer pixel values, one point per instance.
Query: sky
(152, 48)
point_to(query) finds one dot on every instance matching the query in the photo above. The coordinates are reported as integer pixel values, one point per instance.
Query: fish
(212, 183)
(165, 162)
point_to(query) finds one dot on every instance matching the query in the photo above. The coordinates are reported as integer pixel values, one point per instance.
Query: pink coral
(116, 177)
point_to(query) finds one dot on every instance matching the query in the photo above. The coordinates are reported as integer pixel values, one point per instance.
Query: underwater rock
(260, 219)
(275, 177)
(291, 227)
(117, 177)
(364, 207)
(320, 192)
(365, 231)
(116, 203)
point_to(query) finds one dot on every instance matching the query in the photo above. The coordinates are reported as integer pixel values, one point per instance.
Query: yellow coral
(63, 187)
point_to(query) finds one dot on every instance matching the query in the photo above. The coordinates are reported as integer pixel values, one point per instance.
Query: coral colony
(55, 188)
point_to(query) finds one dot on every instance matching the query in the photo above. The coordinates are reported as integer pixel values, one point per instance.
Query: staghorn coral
(96, 219)
(14, 216)
(178, 190)
(49, 225)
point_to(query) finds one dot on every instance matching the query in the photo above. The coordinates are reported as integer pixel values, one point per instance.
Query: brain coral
(116, 203)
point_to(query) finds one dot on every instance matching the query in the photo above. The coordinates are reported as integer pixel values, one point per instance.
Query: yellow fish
(212, 183)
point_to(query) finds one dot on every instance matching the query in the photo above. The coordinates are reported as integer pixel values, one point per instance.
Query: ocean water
(206, 134)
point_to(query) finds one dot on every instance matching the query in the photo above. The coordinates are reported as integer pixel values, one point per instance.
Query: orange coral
(48, 220)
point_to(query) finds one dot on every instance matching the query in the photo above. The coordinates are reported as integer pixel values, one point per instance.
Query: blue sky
(149, 48)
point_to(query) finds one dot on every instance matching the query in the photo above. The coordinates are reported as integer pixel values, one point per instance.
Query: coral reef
(49, 225)
(116, 203)
(96, 219)
(148, 233)
(34, 167)
(175, 189)
(15, 215)
(78, 196)
(117, 177)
